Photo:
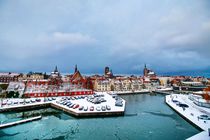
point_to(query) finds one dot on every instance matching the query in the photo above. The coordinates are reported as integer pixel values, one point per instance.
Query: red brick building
(9, 77)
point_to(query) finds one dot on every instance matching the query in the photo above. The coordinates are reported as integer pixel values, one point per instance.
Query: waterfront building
(165, 81)
(136, 84)
(9, 77)
(102, 84)
(31, 76)
(146, 83)
(155, 82)
(118, 83)
(78, 80)
(126, 84)
(55, 86)
(189, 86)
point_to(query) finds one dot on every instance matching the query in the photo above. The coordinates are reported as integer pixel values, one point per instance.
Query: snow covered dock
(97, 108)
(81, 107)
(191, 112)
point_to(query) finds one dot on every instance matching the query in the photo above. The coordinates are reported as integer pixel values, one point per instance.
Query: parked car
(4, 103)
(69, 105)
(38, 100)
(76, 106)
(81, 107)
(103, 108)
(204, 117)
(21, 101)
(108, 107)
(98, 108)
(27, 101)
(92, 108)
(85, 108)
(183, 105)
(15, 102)
(118, 103)
(33, 100)
(72, 105)
(9, 102)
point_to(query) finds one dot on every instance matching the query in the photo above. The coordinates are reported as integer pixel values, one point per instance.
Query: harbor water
(146, 118)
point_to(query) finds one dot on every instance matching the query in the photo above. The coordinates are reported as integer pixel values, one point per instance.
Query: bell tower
(145, 71)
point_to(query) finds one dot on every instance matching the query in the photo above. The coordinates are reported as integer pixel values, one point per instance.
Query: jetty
(20, 122)
(63, 103)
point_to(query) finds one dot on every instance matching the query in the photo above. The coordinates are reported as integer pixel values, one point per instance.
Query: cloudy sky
(168, 35)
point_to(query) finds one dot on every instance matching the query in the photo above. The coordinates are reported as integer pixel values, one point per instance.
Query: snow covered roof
(9, 74)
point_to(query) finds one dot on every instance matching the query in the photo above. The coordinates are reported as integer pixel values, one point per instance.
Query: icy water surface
(146, 118)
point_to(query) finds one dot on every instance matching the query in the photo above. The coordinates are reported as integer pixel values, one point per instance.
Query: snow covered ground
(200, 136)
(110, 101)
(192, 113)
(83, 102)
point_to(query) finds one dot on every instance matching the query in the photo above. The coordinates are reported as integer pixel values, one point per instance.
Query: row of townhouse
(118, 84)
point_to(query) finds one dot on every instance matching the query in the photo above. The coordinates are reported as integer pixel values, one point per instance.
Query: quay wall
(25, 108)
(54, 105)
(88, 114)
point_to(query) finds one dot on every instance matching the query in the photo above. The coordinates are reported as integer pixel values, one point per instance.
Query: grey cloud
(168, 35)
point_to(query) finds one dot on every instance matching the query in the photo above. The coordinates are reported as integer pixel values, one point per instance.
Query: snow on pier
(61, 103)
(192, 113)
(20, 122)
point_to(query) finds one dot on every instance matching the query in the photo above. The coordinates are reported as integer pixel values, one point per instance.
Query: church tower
(145, 71)
(56, 69)
(75, 69)
(106, 70)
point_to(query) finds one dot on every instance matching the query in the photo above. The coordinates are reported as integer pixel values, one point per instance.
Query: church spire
(75, 70)
(56, 69)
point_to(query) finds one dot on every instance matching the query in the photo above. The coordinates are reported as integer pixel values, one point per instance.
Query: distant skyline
(170, 36)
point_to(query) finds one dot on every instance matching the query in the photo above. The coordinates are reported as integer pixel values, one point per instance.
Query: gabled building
(57, 85)
(9, 77)
(77, 78)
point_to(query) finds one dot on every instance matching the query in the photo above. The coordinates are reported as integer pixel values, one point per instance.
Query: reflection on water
(161, 114)
(2, 134)
(146, 117)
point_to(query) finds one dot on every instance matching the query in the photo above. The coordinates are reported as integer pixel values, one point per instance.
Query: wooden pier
(20, 122)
